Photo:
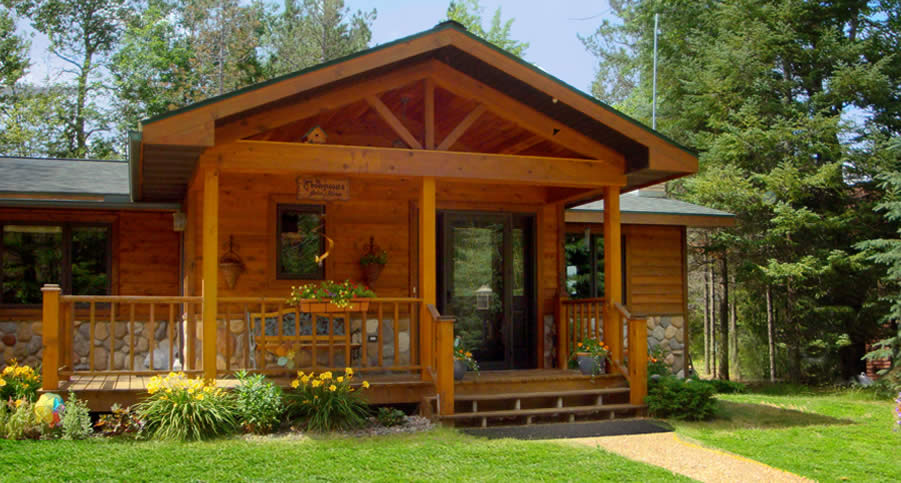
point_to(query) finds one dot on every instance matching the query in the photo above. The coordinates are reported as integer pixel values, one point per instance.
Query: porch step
(612, 409)
(545, 394)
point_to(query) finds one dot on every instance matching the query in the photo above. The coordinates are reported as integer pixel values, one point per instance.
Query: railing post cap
(50, 287)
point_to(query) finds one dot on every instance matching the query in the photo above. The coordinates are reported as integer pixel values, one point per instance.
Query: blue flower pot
(589, 366)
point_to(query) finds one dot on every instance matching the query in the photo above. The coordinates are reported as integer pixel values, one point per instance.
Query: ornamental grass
(19, 382)
(180, 408)
(328, 403)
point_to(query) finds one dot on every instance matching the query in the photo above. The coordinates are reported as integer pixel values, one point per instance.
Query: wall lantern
(483, 297)
(231, 264)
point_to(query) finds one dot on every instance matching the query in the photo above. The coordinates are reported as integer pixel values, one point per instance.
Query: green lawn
(436, 455)
(825, 436)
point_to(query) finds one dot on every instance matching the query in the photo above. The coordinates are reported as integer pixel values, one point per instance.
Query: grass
(437, 455)
(823, 435)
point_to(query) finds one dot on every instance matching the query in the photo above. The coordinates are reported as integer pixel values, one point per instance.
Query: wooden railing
(143, 335)
(268, 335)
(637, 353)
(112, 335)
(584, 319)
(442, 369)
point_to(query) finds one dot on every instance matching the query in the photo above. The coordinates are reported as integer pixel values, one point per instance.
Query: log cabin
(451, 161)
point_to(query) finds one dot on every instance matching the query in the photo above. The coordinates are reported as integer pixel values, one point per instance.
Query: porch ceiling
(567, 123)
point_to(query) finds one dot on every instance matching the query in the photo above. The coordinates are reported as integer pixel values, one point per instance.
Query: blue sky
(549, 27)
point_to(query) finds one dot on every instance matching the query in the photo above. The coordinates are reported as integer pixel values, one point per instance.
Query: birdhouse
(483, 297)
(315, 136)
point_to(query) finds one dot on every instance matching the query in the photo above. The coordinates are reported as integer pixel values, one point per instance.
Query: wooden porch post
(444, 331)
(613, 273)
(210, 270)
(428, 271)
(51, 332)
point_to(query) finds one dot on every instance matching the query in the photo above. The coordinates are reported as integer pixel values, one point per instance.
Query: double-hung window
(300, 240)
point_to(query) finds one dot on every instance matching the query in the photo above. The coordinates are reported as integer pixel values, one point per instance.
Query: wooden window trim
(66, 270)
(280, 208)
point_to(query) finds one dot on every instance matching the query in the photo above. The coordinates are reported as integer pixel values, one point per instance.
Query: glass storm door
(485, 282)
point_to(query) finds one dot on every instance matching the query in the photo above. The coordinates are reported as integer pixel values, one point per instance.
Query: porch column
(428, 271)
(613, 273)
(52, 338)
(210, 282)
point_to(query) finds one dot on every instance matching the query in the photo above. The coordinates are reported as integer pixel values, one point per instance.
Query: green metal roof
(635, 203)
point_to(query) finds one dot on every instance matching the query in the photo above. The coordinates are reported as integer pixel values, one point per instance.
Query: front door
(486, 282)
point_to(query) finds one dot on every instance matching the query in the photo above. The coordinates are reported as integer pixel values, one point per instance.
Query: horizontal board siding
(654, 272)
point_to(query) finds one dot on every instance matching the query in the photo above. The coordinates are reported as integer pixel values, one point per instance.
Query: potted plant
(463, 360)
(373, 262)
(591, 356)
(329, 296)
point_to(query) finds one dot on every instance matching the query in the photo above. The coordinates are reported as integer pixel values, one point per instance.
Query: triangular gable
(460, 63)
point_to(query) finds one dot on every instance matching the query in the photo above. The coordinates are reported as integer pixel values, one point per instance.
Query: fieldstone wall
(666, 332)
(21, 340)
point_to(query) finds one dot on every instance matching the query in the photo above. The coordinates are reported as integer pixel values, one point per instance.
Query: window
(75, 256)
(299, 241)
(585, 265)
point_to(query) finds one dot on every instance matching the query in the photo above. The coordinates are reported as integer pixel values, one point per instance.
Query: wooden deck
(102, 391)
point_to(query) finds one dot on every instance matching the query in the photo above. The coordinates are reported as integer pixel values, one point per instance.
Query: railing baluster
(112, 336)
(347, 335)
(247, 329)
(151, 336)
(379, 335)
(364, 339)
(331, 340)
(91, 339)
(313, 338)
(170, 333)
(414, 332)
(228, 337)
(131, 336)
(396, 335)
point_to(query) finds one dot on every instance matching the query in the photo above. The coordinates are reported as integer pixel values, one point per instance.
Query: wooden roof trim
(194, 126)
(291, 158)
(285, 113)
(518, 113)
(658, 145)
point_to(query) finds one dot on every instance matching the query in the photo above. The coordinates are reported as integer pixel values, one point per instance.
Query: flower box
(318, 306)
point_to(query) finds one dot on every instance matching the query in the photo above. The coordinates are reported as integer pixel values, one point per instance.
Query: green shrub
(656, 364)
(179, 408)
(118, 422)
(390, 417)
(19, 382)
(327, 403)
(727, 387)
(76, 422)
(260, 406)
(20, 421)
(686, 399)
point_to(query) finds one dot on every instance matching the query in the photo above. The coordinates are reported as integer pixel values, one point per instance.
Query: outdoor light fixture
(483, 297)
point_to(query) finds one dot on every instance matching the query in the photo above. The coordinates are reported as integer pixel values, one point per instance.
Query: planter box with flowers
(329, 296)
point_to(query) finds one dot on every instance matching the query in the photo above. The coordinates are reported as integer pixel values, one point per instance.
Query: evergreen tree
(469, 14)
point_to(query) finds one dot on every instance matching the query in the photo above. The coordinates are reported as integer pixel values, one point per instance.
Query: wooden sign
(310, 188)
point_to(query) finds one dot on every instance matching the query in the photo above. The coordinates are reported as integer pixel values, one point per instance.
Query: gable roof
(169, 144)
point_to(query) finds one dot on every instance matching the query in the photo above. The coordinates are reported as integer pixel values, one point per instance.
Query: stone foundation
(666, 332)
(21, 340)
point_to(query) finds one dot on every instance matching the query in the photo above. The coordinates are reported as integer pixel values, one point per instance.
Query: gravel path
(668, 451)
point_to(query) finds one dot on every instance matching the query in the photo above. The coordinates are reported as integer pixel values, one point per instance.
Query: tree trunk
(771, 342)
(733, 334)
(724, 322)
(794, 357)
(714, 300)
(706, 318)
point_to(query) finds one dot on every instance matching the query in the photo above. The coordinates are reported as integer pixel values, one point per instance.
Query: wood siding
(654, 281)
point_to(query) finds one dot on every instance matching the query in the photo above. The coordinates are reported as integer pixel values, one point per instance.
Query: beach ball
(49, 409)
